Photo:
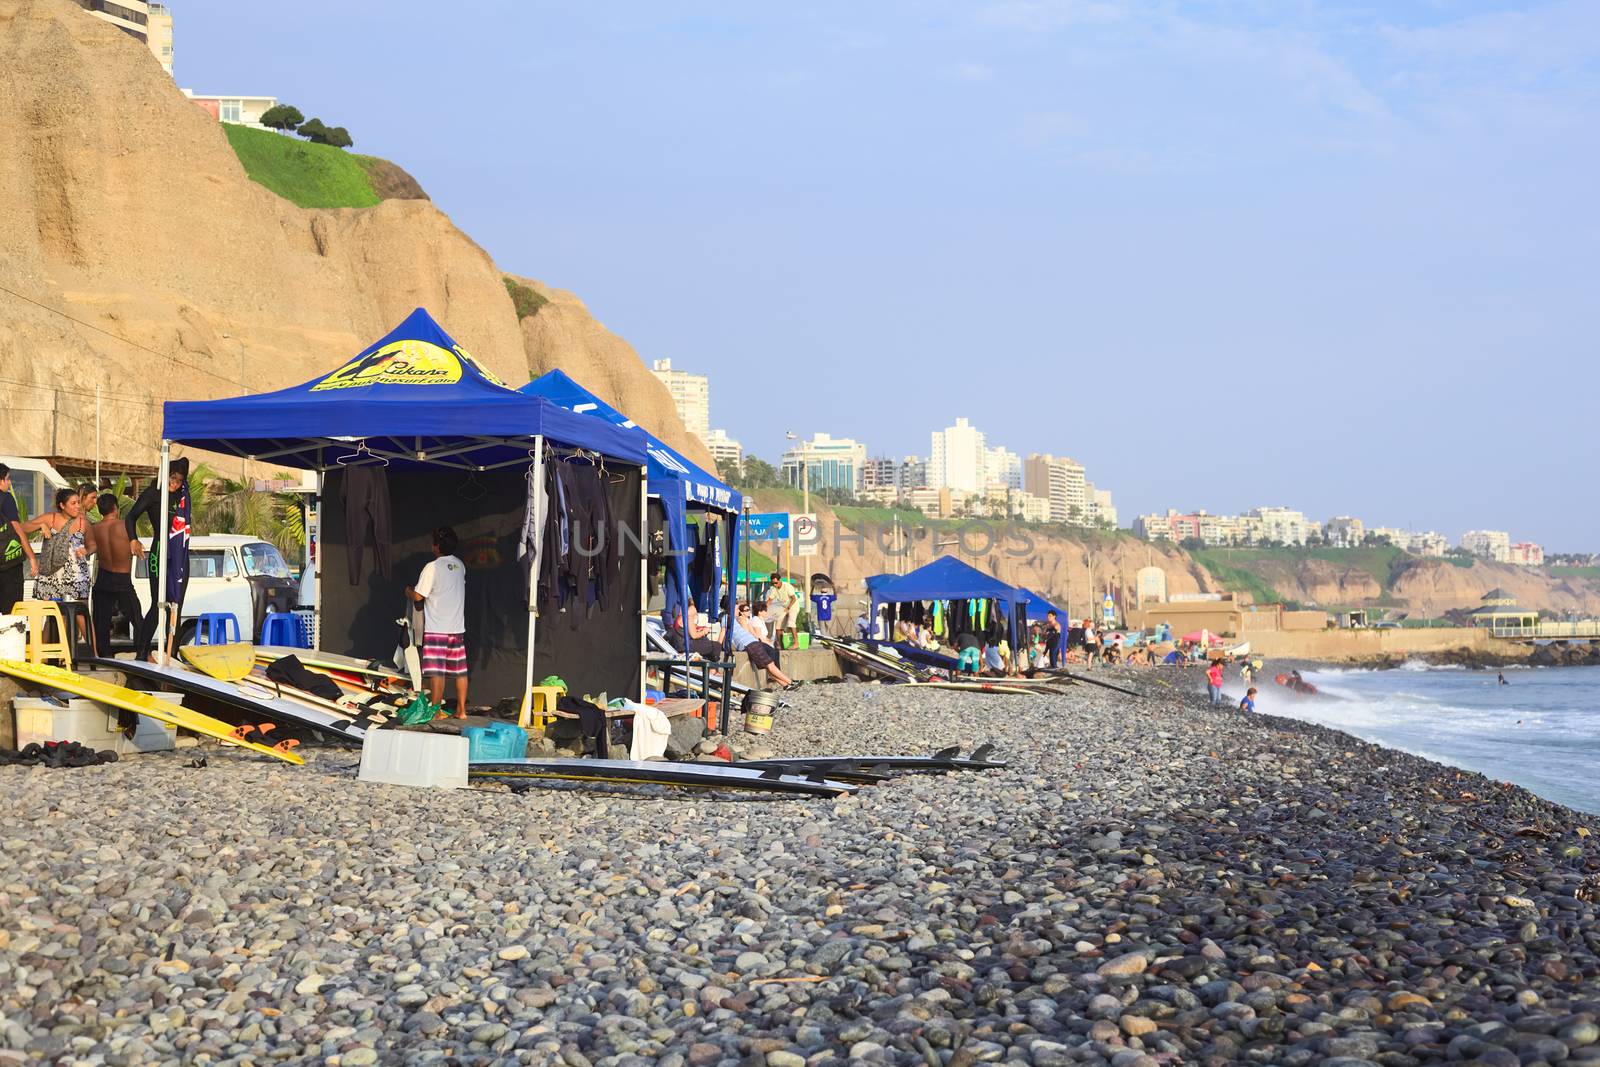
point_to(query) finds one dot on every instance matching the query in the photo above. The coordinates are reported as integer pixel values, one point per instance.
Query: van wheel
(186, 632)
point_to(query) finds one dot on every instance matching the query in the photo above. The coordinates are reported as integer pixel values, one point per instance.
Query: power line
(131, 398)
(124, 340)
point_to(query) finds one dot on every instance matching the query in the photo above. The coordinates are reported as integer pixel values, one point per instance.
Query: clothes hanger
(353, 458)
(471, 489)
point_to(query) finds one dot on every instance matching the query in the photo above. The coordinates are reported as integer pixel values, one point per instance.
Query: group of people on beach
(756, 630)
(87, 523)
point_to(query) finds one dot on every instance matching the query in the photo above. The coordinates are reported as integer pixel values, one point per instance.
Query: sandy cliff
(122, 204)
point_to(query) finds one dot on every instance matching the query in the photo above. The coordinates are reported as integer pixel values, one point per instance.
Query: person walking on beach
(113, 582)
(1052, 639)
(1249, 701)
(16, 554)
(442, 591)
(1214, 682)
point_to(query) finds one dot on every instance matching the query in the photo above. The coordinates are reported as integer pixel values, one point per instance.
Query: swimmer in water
(1502, 677)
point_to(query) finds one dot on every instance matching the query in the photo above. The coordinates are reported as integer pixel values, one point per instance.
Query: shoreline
(1149, 881)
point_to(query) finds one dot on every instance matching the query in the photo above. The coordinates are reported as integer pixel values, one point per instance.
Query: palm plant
(235, 505)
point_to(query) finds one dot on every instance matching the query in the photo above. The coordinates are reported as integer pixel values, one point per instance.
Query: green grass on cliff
(305, 174)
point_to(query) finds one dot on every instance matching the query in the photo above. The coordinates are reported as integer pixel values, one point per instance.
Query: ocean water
(1542, 731)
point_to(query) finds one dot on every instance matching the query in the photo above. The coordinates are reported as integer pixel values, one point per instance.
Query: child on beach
(1249, 701)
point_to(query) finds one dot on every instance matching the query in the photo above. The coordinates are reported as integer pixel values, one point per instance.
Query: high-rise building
(1001, 466)
(1489, 544)
(160, 35)
(958, 458)
(829, 463)
(725, 450)
(1060, 481)
(913, 473)
(150, 24)
(1101, 510)
(691, 395)
(880, 477)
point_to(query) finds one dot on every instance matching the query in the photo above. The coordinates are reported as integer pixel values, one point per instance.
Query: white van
(233, 573)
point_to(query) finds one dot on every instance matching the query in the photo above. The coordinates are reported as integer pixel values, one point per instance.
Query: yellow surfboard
(228, 663)
(43, 674)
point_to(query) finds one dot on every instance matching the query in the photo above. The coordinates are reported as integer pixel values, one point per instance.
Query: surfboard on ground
(650, 772)
(243, 696)
(363, 705)
(316, 658)
(227, 662)
(975, 687)
(949, 759)
(839, 771)
(45, 676)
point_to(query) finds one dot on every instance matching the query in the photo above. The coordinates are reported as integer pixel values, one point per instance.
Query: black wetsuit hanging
(367, 512)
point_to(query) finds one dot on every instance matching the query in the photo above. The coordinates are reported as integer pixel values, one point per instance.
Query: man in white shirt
(442, 591)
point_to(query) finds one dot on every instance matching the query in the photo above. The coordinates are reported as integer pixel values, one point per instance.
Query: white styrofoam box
(13, 637)
(410, 757)
(92, 725)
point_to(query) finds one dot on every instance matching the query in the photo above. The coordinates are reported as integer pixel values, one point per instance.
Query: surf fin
(953, 752)
(982, 752)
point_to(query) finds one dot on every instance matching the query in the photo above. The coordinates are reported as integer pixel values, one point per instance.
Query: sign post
(805, 535)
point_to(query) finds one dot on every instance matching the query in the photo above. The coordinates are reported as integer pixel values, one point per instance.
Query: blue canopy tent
(1036, 607)
(417, 403)
(677, 482)
(947, 578)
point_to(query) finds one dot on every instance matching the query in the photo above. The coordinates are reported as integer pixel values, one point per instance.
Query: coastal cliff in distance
(123, 205)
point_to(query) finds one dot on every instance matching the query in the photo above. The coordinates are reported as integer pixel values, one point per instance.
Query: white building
(1279, 524)
(1030, 508)
(1002, 466)
(1059, 480)
(1428, 544)
(725, 450)
(829, 462)
(691, 395)
(1488, 544)
(1101, 510)
(236, 110)
(958, 459)
(1346, 532)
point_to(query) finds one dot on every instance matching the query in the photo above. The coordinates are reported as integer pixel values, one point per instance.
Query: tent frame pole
(160, 536)
(644, 576)
(316, 561)
(533, 573)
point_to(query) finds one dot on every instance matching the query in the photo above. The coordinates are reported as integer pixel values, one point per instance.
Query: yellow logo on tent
(409, 362)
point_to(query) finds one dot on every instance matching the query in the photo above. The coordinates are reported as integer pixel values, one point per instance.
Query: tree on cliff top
(314, 131)
(282, 117)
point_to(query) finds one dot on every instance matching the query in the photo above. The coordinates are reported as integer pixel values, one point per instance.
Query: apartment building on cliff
(150, 24)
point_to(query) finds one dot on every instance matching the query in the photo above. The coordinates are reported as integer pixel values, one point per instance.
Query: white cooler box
(92, 725)
(411, 757)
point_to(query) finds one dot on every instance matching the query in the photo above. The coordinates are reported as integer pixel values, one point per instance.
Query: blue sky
(1334, 255)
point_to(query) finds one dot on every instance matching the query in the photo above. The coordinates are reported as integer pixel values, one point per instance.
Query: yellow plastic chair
(39, 612)
(540, 704)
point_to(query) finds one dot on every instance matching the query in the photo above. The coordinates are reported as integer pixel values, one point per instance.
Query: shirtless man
(113, 584)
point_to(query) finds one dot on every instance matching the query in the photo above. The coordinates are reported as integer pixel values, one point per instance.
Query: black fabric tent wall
(600, 655)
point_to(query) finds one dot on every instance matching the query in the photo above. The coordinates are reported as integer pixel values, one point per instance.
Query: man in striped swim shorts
(442, 591)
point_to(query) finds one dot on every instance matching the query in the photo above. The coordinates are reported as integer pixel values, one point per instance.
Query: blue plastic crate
(497, 741)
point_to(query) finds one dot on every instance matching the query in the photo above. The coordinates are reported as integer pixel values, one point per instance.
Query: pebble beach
(1149, 881)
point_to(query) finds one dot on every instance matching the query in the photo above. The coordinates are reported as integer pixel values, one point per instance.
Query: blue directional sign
(766, 526)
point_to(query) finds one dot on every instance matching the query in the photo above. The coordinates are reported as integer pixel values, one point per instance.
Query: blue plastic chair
(212, 628)
(283, 630)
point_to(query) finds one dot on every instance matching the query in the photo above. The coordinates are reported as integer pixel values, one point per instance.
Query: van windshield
(261, 558)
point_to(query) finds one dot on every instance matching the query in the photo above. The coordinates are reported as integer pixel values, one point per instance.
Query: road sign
(805, 535)
(766, 526)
